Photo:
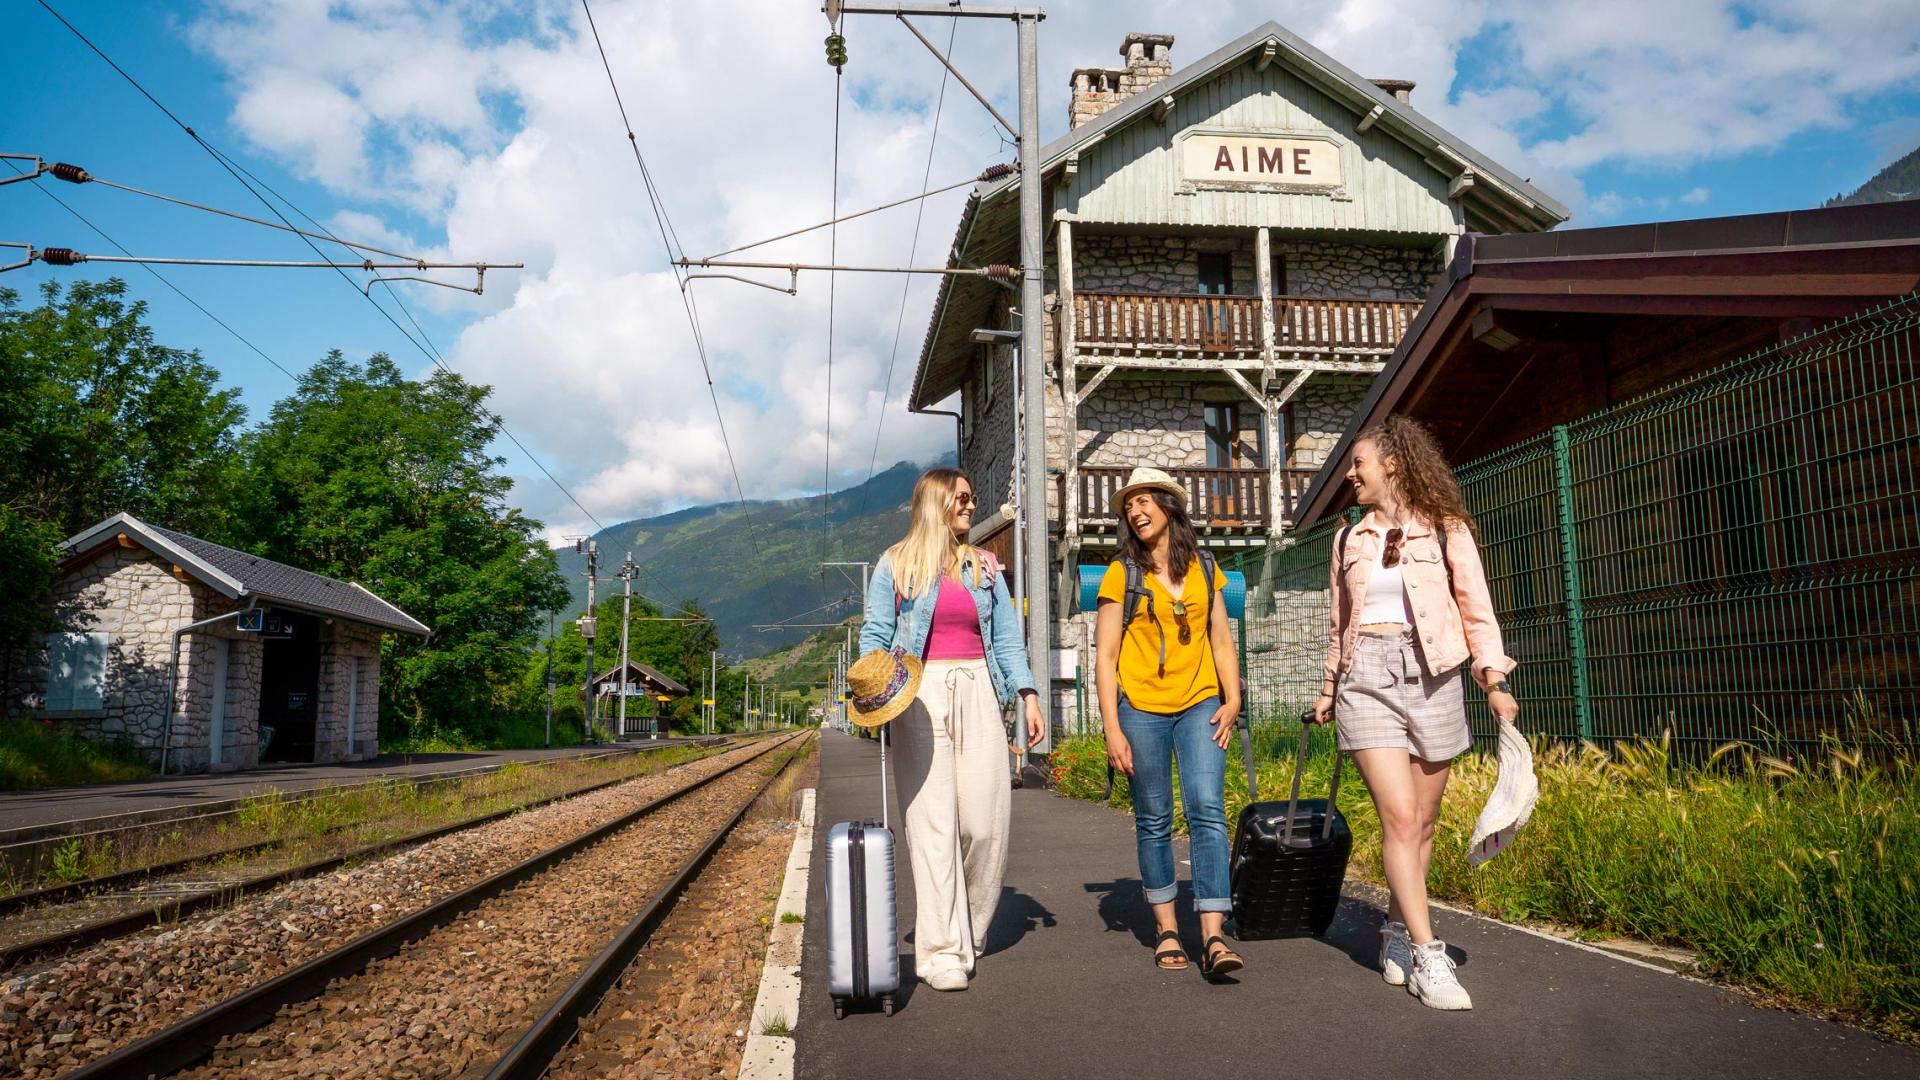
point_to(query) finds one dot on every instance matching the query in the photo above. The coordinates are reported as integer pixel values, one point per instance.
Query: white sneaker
(949, 979)
(1433, 981)
(1396, 953)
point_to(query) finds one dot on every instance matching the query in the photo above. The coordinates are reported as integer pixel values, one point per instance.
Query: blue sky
(455, 129)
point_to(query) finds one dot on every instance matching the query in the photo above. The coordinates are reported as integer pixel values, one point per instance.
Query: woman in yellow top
(1170, 688)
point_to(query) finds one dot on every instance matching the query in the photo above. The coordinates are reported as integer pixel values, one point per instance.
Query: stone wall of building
(347, 648)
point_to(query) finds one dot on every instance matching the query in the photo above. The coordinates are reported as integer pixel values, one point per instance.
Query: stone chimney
(1095, 90)
(1401, 89)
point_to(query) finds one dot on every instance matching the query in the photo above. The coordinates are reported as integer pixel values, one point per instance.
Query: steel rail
(529, 1058)
(175, 908)
(131, 922)
(185, 1043)
(69, 890)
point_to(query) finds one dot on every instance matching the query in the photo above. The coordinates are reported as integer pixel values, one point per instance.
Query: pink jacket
(1451, 628)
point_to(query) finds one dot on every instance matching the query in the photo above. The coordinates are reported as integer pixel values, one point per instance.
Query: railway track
(83, 913)
(489, 980)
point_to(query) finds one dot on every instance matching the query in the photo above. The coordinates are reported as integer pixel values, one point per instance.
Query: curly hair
(1425, 480)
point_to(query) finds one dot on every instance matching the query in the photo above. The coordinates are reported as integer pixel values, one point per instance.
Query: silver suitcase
(863, 961)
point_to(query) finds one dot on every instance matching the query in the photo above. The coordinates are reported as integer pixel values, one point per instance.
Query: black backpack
(1137, 590)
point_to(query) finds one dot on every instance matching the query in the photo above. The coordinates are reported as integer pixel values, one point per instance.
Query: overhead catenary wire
(495, 420)
(991, 172)
(670, 240)
(906, 286)
(164, 280)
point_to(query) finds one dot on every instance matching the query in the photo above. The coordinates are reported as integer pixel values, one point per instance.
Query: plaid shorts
(1387, 699)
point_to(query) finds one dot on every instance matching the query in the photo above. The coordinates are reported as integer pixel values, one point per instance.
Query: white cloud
(1696, 196)
(493, 125)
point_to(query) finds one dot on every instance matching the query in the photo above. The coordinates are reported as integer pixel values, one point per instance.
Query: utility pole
(626, 620)
(713, 691)
(1033, 375)
(549, 741)
(587, 626)
(746, 697)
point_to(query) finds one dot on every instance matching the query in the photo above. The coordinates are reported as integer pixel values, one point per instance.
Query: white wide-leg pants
(950, 760)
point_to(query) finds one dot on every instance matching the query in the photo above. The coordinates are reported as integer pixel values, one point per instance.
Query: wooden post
(1263, 270)
(1069, 396)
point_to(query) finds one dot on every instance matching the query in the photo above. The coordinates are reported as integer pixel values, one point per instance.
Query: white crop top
(1386, 600)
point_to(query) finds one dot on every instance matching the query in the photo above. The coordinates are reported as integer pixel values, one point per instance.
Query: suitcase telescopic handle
(1299, 770)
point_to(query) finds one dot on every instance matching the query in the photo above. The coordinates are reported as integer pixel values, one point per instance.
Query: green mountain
(1898, 181)
(757, 565)
(804, 668)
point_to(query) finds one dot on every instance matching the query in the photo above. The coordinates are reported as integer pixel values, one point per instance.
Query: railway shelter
(267, 662)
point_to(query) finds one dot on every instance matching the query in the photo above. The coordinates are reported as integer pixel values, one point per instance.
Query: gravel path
(89, 1004)
(456, 999)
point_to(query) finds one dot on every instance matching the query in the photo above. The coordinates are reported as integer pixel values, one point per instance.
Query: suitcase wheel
(886, 1004)
(839, 1008)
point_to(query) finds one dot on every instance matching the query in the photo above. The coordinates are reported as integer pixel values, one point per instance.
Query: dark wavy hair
(1425, 480)
(1183, 544)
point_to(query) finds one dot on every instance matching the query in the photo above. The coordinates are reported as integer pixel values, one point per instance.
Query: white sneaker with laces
(949, 979)
(1433, 981)
(1396, 953)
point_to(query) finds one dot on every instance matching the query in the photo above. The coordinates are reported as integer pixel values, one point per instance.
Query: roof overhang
(1807, 264)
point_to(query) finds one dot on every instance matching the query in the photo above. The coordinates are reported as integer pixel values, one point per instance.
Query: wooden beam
(124, 540)
(1366, 122)
(1461, 184)
(1490, 330)
(1147, 363)
(1246, 387)
(1267, 52)
(1092, 385)
(1163, 109)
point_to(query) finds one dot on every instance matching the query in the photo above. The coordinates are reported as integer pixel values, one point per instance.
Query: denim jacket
(911, 625)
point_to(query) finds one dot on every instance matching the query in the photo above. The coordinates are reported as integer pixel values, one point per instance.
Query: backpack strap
(1209, 568)
(1136, 591)
(1440, 534)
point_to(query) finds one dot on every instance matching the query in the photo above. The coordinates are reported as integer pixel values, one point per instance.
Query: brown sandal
(1215, 964)
(1169, 959)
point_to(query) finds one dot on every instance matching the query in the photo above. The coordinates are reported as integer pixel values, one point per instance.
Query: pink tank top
(956, 625)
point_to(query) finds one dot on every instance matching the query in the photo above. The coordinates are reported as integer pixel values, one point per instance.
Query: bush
(35, 754)
(1794, 876)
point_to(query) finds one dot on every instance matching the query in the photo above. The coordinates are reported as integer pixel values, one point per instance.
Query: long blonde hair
(930, 550)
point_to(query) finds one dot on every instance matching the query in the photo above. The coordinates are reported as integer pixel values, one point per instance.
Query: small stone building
(288, 670)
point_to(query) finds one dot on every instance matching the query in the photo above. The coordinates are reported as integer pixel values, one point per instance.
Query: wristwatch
(1500, 686)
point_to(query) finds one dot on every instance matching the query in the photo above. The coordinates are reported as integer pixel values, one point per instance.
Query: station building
(1232, 249)
(302, 687)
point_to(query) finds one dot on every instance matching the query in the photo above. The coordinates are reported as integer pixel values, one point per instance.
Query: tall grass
(36, 755)
(1793, 875)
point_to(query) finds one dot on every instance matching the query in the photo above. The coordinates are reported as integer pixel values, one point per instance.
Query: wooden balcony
(1216, 498)
(1104, 321)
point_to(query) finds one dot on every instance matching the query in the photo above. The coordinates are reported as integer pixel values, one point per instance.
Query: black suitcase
(1288, 857)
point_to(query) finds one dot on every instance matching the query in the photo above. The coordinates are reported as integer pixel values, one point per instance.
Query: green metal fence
(1736, 556)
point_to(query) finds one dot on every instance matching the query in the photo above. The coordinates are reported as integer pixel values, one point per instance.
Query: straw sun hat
(881, 685)
(1144, 477)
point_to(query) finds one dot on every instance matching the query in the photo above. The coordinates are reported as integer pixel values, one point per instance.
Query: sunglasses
(1180, 613)
(1390, 557)
(965, 498)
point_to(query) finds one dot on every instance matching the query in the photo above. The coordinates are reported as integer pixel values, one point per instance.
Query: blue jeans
(1157, 739)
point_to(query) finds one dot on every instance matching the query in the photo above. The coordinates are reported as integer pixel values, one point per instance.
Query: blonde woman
(946, 602)
(1410, 606)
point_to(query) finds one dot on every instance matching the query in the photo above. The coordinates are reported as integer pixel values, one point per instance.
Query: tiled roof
(241, 575)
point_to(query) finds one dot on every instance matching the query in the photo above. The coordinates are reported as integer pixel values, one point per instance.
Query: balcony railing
(1213, 323)
(1215, 497)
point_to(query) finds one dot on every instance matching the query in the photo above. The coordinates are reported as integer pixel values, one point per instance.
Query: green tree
(364, 474)
(96, 418)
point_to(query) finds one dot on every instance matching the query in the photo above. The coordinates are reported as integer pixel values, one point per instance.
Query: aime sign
(1209, 159)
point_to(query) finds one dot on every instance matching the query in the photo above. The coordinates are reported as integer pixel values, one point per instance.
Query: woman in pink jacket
(1409, 606)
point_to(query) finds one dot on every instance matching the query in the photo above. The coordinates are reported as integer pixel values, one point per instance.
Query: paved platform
(29, 815)
(1066, 988)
